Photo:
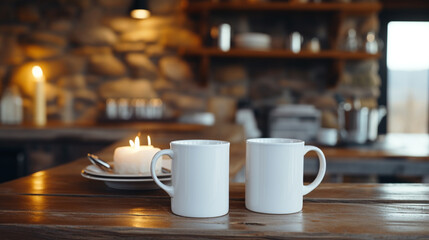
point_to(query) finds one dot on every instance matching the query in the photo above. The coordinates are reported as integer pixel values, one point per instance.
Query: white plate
(97, 172)
(138, 183)
(127, 182)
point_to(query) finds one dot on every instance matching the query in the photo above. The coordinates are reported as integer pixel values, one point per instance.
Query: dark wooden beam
(401, 4)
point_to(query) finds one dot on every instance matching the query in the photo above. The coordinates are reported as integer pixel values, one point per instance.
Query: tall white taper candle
(39, 97)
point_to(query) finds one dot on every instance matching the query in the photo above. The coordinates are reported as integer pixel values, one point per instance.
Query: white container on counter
(327, 136)
(11, 107)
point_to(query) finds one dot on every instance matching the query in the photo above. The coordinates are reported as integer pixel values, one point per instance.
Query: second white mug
(275, 172)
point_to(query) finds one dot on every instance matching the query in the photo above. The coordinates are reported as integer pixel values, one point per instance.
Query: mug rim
(199, 142)
(275, 141)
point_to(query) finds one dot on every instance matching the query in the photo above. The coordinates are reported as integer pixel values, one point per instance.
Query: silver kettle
(375, 115)
(357, 124)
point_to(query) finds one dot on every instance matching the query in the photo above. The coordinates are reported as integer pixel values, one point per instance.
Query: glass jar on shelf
(373, 45)
(351, 43)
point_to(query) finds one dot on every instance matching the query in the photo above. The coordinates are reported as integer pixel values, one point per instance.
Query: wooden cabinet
(335, 13)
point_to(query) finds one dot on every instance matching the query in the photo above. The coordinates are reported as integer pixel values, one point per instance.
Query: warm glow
(38, 202)
(135, 219)
(156, 102)
(37, 73)
(38, 181)
(370, 37)
(148, 141)
(140, 13)
(39, 174)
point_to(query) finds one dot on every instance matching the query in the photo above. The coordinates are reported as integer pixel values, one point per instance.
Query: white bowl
(253, 40)
(327, 136)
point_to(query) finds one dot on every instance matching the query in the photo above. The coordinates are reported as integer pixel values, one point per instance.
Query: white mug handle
(168, 189)
(322, 169)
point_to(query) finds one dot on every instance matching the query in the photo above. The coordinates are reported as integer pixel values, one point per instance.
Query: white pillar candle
(135, 159)
(39, 97)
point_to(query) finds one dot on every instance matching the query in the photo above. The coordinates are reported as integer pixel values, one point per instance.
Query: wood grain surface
(60, 204)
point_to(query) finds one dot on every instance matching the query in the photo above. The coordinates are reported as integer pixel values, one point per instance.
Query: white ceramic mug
(275, 172)
(200, 177)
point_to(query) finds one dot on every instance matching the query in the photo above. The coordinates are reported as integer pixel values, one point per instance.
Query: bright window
(407, 77)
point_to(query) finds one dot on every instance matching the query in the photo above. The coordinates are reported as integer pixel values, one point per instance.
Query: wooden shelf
(283, 6)
(337, 12)
(285, 54)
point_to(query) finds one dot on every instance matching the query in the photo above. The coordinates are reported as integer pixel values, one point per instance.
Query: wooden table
(60, 204)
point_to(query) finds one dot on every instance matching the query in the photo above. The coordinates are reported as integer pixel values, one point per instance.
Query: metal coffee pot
(357, 125)
(375, 115)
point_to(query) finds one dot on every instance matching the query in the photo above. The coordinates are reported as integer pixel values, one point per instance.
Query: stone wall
(91, 50)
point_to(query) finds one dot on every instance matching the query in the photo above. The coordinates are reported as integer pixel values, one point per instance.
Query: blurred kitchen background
(331, 72)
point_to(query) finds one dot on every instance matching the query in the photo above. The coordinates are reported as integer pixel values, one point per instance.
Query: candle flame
(37, 72)
(137, 142)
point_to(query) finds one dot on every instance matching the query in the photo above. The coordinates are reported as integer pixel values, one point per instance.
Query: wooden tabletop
(60, 204)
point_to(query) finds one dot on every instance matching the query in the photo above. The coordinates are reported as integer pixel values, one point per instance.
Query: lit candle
(135, 159)
(39, 97)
